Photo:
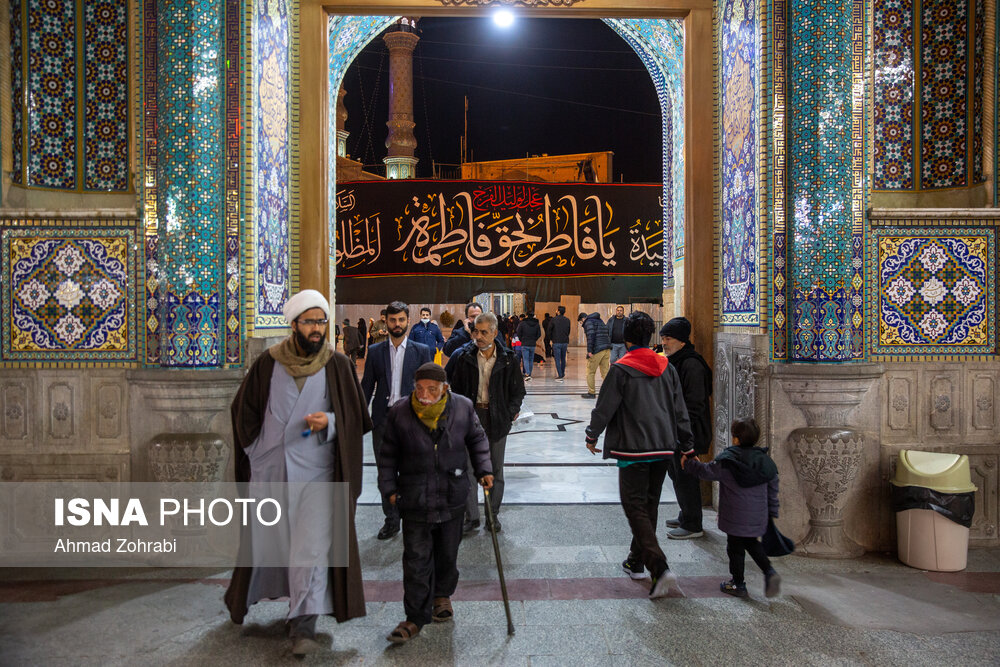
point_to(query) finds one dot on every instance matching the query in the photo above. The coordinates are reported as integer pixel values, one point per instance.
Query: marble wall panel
(981, 396)
(61, 406)
(55, 467)
(900, 410)
(943, 404)
(984, 473)
(17, 402)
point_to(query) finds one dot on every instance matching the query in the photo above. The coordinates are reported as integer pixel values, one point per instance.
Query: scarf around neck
(428, 414)
(298, 366)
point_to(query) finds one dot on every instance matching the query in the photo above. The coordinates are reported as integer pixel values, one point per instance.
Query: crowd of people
(438, 431)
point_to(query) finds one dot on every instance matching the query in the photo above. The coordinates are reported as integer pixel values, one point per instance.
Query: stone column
(821, 262)
(342, 134)
(400, 162)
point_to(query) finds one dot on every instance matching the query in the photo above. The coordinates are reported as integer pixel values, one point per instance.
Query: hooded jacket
(743, 506)
(641, 406)
(529, 331)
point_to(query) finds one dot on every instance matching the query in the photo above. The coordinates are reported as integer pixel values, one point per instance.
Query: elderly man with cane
(426, 446)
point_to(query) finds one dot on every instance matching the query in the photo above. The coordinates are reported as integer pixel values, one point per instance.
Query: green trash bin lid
(945, 473)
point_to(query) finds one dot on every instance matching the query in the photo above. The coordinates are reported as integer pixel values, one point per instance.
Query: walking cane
(496, 550)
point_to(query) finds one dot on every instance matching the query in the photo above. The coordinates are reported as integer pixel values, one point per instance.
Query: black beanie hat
(431, 371)
(678, 328)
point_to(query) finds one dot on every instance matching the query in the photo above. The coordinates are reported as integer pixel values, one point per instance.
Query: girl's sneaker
(732, 588)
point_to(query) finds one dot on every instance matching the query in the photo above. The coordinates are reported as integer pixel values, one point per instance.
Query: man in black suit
(389, 372)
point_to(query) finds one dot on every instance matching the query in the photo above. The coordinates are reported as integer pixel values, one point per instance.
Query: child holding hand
(748, 495)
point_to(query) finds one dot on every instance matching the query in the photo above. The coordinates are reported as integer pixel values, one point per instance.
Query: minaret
(399, 161)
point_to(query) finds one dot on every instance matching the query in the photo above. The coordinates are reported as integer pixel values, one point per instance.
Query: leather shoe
(388, 530)
(470, 526)
(496, 525)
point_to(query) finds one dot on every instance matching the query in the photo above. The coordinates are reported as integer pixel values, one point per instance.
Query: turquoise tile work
(189, 179)
(827, 179)
(894, 95)
(935, 292)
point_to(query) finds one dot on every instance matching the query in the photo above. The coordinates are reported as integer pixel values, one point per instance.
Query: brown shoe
(403, 633)
(442, 610)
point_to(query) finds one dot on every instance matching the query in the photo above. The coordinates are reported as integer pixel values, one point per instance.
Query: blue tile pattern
(189, 180)
(943, 64)
(777, 95)
(17, 88)
(105, 131)
(740, 113)
(234, 190)
(67, 294)
(977, 91)
(894, 82)
(936, 290)
(51, 107)
(826, 179)
(151, 352)
(271, 161)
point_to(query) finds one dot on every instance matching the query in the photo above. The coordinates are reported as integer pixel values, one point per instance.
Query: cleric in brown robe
(300, 416)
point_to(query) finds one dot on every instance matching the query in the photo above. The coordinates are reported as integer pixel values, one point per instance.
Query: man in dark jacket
(427, 443)
(696, 382)
(616, 332)
(426, 332)
(558, 331)
(598, 349)
(529, 332)
(351, 340)
(388, 377)
(546, 336)
(461, 333)
(647, 426)
(497, 398)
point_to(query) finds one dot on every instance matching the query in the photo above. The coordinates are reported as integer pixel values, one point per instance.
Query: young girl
(748, 494)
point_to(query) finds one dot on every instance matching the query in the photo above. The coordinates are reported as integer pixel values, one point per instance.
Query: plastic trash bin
(933, 497)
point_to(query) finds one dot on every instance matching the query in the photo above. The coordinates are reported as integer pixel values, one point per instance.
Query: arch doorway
(693, 285)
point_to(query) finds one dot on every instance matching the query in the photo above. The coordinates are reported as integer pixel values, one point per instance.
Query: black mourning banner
(445, 241)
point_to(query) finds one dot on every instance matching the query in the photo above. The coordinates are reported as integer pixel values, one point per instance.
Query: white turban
(303, 301)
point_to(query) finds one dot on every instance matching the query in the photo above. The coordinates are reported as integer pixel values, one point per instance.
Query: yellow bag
(437, 357)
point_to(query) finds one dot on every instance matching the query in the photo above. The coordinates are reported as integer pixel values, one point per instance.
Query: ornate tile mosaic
(271, 160)
(936, 290)
(827, 74)
(894, 81)
(977, 89)
(17, 88)
(777, 94)
(190, 181)
(151, 225)
(71, 133)
(105, 131)
(944, 69)
(51, 108)
(68, 294)
(234, 141)
(740, 112)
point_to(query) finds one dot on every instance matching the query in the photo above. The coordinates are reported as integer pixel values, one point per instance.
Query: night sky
(540, 86)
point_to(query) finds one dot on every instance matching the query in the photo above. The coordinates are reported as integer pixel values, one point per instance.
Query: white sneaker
(664, 585)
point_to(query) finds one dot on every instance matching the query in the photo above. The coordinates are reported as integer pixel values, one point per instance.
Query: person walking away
(546, 337)
(488, 375)
(426, 332)
(559, 333)
(529, 331)
(598, 349)
(351, 341)
(642, 411)
(748, 495)
(362, 337)
(616, 332)
(388, 378)
(427, 445)
(696, 381)
(299, 416)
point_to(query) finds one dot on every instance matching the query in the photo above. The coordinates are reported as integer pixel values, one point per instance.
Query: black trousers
(430, 554)
(390, 511)
(687, 488)
(639, 487)
(736, 546)
(497, 449)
